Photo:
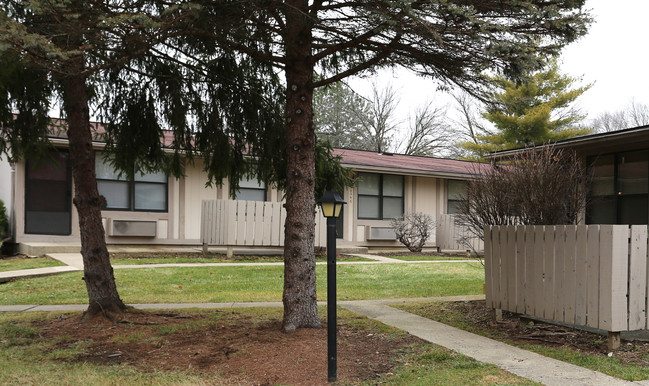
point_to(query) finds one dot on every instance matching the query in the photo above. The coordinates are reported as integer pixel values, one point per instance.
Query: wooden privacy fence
(589, 275)
(248, 223)
(450, 235)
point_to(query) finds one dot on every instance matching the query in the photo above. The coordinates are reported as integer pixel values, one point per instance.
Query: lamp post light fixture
(331, 204)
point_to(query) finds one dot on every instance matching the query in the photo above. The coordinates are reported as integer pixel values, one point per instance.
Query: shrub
(4, 221)
(540, 186)
(413, 230)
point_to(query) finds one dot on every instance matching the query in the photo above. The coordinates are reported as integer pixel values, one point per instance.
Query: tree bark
(98, 273)
(299, 298)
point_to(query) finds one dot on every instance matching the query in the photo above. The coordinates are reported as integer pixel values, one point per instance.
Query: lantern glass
(331, 204)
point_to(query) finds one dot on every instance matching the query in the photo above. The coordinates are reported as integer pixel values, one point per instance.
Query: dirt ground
(517, 329)
(243, 349)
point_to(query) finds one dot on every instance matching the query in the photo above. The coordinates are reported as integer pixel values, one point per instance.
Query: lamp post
(331, 204)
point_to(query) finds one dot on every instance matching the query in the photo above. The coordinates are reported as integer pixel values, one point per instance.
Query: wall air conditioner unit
(138, 228)
(379, 233)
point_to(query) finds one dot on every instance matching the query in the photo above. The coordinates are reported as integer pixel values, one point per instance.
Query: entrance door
(48, 196)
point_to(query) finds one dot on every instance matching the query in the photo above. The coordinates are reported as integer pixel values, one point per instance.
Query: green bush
(4, 221)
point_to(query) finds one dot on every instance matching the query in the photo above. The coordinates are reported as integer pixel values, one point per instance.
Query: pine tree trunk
(300, 302)
(98, 273)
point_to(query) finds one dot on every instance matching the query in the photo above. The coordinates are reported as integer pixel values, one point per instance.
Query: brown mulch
(240, 348)
(517, 328)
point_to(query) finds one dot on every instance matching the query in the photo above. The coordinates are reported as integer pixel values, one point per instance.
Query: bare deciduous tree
(541, 186)
(634, 115)
(380, 123)
(413, 230)
(428, 133)
(469, 125)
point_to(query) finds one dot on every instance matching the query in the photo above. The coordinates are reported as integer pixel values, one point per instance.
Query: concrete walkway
(515, 360)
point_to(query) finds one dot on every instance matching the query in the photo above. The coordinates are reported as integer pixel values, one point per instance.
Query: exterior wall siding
(181, 224)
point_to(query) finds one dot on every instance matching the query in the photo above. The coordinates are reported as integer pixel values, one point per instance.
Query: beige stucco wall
(192, 192)
(421, 194)
(181, 224)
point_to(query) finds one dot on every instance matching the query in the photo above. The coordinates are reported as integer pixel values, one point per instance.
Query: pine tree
(535, 111)
(452, 41)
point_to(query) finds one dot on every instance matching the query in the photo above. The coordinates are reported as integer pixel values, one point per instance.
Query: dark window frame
(263, 189)
(616, 197)
(131, 183)
(448, 199)
(381, 197)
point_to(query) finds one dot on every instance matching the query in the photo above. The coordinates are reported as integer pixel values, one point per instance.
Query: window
(380, 196)
(456, 191)
(145, 192)
(620, 188)
(251, 189)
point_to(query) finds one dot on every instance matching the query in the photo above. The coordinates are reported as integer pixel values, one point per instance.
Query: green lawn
(15, 264)
(244, 284)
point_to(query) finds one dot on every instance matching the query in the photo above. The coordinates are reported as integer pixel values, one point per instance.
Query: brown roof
(407, 164)
(59, 130)
(360, 160)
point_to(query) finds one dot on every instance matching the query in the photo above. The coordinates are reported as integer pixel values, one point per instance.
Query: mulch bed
(240, 348)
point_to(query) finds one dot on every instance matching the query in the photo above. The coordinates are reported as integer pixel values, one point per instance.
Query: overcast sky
(613, 56)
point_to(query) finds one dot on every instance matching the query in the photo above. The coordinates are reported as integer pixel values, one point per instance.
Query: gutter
(592, 138)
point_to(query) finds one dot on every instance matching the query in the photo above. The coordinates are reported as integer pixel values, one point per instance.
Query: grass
(29, 359)
(15, 264)
(428, 258)
(611, 366)
(439, 366)
(253, 283)
(200, 259)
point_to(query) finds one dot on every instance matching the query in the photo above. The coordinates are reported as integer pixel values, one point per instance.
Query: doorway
(48, 195)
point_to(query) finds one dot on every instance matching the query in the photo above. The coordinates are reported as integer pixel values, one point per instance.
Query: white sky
(613, 56)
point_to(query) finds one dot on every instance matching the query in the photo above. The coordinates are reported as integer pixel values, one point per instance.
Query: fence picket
(520, 269)
(619, 279)
(496, 266)
(488, 260)
(638, 277)
(530, 271)
(581, 274)
(539, 269)
(504, 269)
(569, 275)
(559, 262)
(548, 285)
(605, 285)
(592, 291)
(511, 268)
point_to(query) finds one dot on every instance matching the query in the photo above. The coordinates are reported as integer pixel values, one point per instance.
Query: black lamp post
(331, 204)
